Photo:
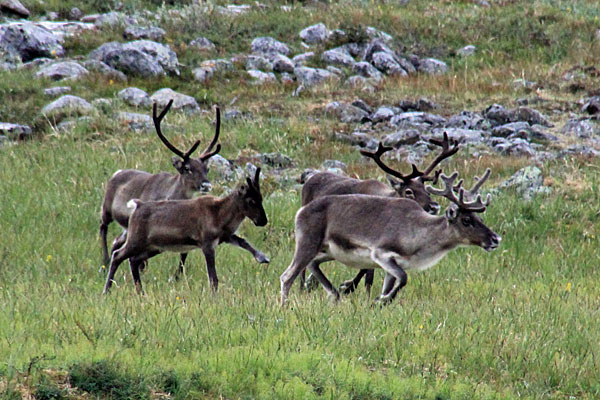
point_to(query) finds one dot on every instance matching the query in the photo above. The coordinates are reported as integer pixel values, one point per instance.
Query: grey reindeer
(411, 186)
(191, 177)
(184, 225)
(394, 234)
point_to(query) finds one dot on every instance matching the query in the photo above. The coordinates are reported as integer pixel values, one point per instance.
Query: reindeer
(364, 231)
(411, 186)
(191, 177)
(184, 225)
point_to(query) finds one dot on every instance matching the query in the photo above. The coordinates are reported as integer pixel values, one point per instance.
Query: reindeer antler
(157, 121)
(206, 154)
(447, 151)
(479, 182)
(448, 192)
(381, 149)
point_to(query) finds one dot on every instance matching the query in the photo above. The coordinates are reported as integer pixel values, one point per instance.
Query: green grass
(520, 322)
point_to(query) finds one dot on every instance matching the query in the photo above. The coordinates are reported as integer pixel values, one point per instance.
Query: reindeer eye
(467, 221)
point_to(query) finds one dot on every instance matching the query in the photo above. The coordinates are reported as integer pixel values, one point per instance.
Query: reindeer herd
(364, 224)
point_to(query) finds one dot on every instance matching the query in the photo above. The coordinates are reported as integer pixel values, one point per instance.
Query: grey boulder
(268, 45)
(30, 41)
(314, 34)
(66, 106)
(62, 70)
(135, 97)
(181, 101)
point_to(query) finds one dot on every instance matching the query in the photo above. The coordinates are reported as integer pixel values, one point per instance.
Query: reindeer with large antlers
(393, 234)
(128, 184)
(411, 186)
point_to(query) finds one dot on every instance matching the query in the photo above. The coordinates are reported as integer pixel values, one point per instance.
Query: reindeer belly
(351, 254)
(421, 263)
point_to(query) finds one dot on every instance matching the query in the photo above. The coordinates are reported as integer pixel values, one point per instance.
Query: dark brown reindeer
(393, 234)
(184, 225)
(129, 184)
(411, 186)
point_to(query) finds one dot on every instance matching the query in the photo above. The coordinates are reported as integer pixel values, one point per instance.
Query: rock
(262, 77)
(57, 91)
(467, 136)
(580, 128)
(234, 114)
(202, 43)
(286, 78)
(30, 41)
(314, 34)
(142, 58)
(113, 19)
(527, 182)
(268, 45)
(579, 150)
(181, 102)
(218, 65)
(359, 82)
(136, 122)
(382, 114)
(510, 129)
(367, 70)
(301, 59)
(468, 120)
(375, 33)
(62, 70)
(144, 32)
(14, 131)
(75, 14)
(275, 160)
(333, 164)
(311, 76)
(536, 133)
(401, 138)
(386, 63)
(336, 57)
(224, 169)
(363, 106)
(347, 113)
(499, 115)
(421, 104)
(335, 71)
(592, 105)
(105, 69)
(66, 105)
(418, 117)
(202, 74)
(282, 63)
(432, 66)
(14, 7)
(135, 97)
(466, 51)
(515, 147)
(254, 61)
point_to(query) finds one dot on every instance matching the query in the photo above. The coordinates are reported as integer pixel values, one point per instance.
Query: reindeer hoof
(262, 259)
(347, 287)
(311, 283)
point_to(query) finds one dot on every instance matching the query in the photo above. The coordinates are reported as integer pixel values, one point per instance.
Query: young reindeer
(184, 225)
(411, 186)
(191, 177)
(395, 235)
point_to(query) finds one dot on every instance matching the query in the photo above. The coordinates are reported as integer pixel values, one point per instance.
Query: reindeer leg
(179, 270)
(105, 255)
(393, 270)
(118, 256)
(209, 255)
(243, 243)
(370, 275)
(134, 265)
(313, 266)
(348, 287)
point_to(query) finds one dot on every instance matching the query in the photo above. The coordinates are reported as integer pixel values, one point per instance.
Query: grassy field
(521, 322)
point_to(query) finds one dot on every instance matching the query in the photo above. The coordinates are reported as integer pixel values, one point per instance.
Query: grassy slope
(518, 322)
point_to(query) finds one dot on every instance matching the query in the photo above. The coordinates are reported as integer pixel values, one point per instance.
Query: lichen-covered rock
(275, 160)
(136, 122)
(66, 105)
(432, 66)
(181, 101)
(282, 63)
(383, 113)
(375, 33)
(30, 41)
(580, 128)
(386, 63)
(468, 120)
(367, 70)
(402, 137)
(262, 77)
(14, 131)
(14, 7)
(135, 97)
(511, 128)
(417, 117)
(375, 46)
(592, 105)
(337, 57)
(105, 69)
(254, 61)
(57, 91)
(314, 34)
(466, 51)
(202, 43)
(467, 136)
(62, 70)
(144, 32)
(527, 182)
(268, 45)
(312, 76)
(347, 113)
(224, 169)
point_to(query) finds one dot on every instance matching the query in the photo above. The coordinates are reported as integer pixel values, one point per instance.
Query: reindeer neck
(229, 212)
(443, 235)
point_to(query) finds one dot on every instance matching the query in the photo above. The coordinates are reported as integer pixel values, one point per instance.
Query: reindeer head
(463, 213)
(252, 200)
(412, 186)
(193, 171)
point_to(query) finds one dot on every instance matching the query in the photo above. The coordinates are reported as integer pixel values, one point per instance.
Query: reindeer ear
(396, 184)
(452, 213)
(177, 163)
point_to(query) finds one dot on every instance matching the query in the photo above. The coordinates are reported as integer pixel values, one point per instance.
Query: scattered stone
(258, 62)
(467, 136)
(65, 106)
(367, 70)
(359, 139)
(282, 63)
(75, 14)
(402, 137)
(234, 114)
(527, 182)
(262, 77)
(432, 66)
(580, 128)
(57, 91)
(203, 43)
(333, 164)
(418, 117)
(105, 69)
(181, 102)
(386, 63)
(202, 74)
(592, 105)
(113, 19)
(516, 147)
(30, 41)
(579, 150)
(135, 97)
(499, 115)
(268, 45)
(382, 114)
(275, 160)
(468, 120)
(466, 51)
(224, 169)
(218, 65)
(347, 113)
(136, 122)
(363, 106)
(359, 82)
(14, 7)
(314, 34)
(337, 57)
(536, 133)
(144, 32)
(510, 129)
(375, 33)
(62, 70)
(14, 131)
(301, 59)
(311, 76)
(286, 78)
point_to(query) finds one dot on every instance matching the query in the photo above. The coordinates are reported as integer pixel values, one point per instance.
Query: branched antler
(206, 154)
(157, 121)
(447, 152)
(448, 192)
(381, 149)
(479, 182)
